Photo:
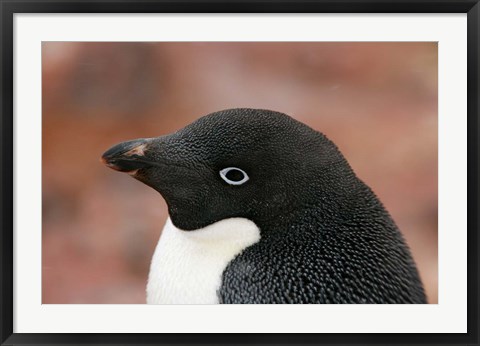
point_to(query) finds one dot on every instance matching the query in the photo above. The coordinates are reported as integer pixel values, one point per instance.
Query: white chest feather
(187, 266)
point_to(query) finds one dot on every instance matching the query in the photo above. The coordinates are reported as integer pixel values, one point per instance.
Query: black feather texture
(357, 257)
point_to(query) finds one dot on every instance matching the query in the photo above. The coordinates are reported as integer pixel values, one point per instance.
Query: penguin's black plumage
(324, 237)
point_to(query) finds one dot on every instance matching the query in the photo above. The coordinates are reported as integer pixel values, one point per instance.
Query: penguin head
(255, 164)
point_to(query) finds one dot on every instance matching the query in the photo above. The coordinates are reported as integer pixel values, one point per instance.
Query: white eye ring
(224, 172)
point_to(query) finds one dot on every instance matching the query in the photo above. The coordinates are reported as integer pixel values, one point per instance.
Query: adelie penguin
(264, 209)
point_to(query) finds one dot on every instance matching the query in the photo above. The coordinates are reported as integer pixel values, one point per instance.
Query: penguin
(264, 209)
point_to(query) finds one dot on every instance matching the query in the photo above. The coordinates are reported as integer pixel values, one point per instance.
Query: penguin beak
(127, 156)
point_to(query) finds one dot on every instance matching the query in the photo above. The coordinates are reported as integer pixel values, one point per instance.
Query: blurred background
(376, 101)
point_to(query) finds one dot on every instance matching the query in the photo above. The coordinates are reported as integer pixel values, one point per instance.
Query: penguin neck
(187, 266)
(326, 208)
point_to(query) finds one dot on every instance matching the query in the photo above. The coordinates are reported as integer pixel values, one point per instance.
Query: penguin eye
(234, 176)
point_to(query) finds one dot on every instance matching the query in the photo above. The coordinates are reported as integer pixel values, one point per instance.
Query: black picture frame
(10, 7)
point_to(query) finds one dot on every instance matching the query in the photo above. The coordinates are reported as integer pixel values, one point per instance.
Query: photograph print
(263, 173)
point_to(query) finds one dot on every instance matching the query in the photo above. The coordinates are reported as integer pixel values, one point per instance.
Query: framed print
(303, 173)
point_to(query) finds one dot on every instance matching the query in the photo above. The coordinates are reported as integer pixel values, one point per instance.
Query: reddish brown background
(376, 101)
